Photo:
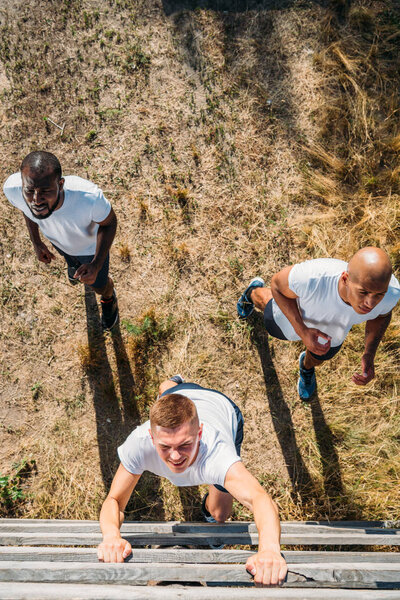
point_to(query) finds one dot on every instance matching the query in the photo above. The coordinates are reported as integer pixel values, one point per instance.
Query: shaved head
(40, 163)
(370, 265)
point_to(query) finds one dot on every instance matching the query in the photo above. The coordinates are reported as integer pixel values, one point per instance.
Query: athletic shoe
(307, 382)
(109, 312)
(177, 379)
(71, 273)
(245, 306)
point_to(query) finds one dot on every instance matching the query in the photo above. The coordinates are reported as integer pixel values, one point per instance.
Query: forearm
(266, 518)
(111, 518)
(290, 309)
(105, 238)
(374, 331)
(33, 230)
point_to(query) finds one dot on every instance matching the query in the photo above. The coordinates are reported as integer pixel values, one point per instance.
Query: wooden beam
(288, 527)
(338, 538)
(183, 555)
(357, 575)
(51, 591)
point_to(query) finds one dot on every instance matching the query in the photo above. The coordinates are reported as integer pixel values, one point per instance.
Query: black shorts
(276, 332)
(76, 261)
(181, 387)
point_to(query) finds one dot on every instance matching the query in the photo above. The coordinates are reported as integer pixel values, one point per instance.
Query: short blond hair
(172, 410)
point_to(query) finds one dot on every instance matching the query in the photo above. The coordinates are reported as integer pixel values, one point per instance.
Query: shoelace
(307, 375)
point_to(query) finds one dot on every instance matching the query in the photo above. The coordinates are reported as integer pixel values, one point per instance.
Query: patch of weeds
(91, 136)
(125, 253)
(12, 494)
(73, 404)
(36, 390)
(147, 340)
(136, 59)
(236, 266)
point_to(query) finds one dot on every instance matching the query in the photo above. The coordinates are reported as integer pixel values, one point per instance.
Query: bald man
(318, 301)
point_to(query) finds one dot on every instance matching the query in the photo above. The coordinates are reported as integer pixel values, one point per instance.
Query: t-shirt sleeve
(12, 190)
(101, 207)
(130, 454)
(302, 279)
(219, 462)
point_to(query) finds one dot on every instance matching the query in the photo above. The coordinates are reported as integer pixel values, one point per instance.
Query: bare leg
(166, 385)
(106, 291)
(310, 361)
(219, 504)
(260, 297)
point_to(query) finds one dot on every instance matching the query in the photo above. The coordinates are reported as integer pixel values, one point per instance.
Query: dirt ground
(202, 123)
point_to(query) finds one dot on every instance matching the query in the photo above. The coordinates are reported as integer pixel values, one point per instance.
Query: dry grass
(231, 144)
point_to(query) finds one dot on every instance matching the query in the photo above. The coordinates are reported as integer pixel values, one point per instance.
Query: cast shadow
(302, 484)
(113, 422)
(191, 503)
(116, 416)
(333, 484)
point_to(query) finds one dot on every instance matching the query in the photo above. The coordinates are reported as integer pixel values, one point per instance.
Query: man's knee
(166, 385)
(220, 514)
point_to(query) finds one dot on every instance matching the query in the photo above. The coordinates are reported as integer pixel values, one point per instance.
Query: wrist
(270, 547)
(112, 536)
(95, 264)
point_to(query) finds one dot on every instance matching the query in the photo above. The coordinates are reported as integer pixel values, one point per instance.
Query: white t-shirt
(73, 227)
(316, 283)
(217, 450)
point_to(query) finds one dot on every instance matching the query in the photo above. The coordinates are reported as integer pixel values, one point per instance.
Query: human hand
(114, 549)
(368, 370)
(268, 567)
(43, 253)
(312, 341)
(87, 273)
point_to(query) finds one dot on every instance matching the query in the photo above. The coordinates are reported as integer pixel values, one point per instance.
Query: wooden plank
(183, 555)
(55, 526)
(51, 591)
(373, 575)
(198, 539)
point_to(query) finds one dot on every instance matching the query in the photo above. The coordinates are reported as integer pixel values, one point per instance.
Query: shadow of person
(113, 421)
(125, 379)
(191, 503)
(302, 484)
(108, 415)
(333, 484)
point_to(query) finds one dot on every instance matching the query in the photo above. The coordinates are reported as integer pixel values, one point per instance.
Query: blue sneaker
(177, 379)
(245, 306)
(307, 383)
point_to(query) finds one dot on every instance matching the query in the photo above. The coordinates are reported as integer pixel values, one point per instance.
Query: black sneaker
(109, 312)
(71, 273)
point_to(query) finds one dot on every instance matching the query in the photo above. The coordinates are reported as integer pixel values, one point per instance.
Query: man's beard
(51, 210)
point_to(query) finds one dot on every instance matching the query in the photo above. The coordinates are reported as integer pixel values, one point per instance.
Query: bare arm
(105, 236)
(42, 252)
(286, 300)
(374, 331)
(113, 548)
(267, 566)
